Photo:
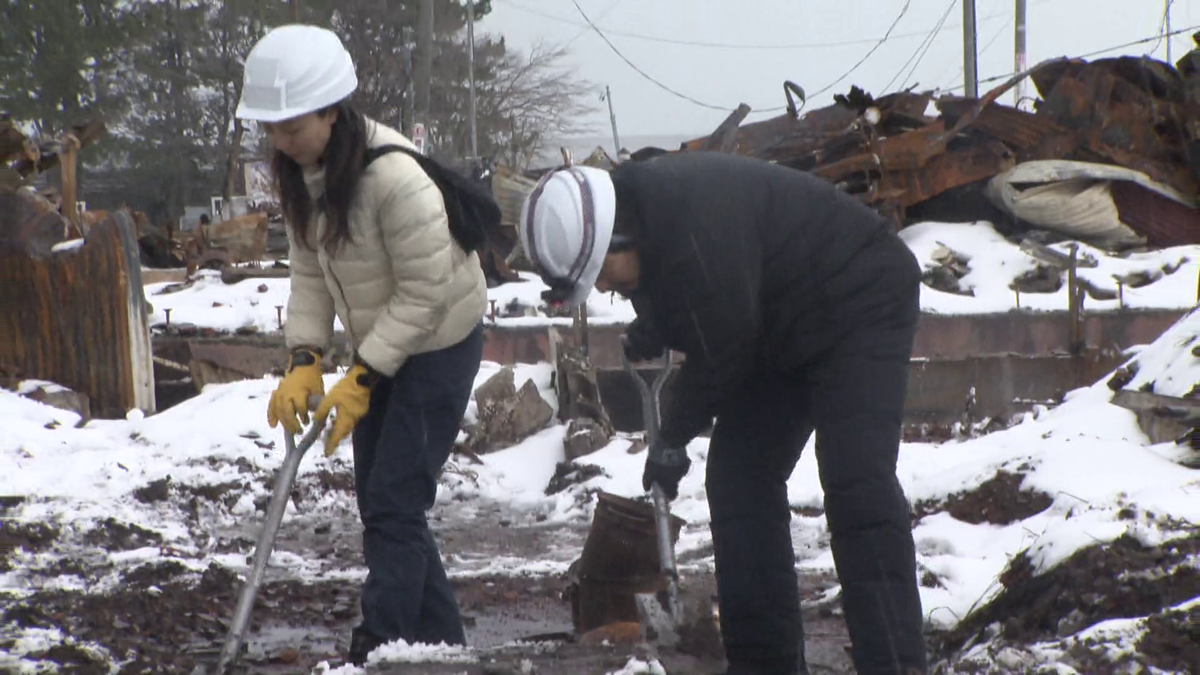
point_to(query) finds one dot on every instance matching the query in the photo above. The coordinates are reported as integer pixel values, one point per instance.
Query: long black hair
(343, 162)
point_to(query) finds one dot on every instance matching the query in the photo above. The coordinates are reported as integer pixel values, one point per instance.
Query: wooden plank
(79, 318)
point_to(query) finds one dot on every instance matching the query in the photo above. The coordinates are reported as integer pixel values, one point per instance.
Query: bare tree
(532, 99)
(522, 101)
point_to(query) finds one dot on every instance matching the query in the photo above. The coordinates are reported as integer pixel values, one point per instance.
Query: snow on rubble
(1163, 279)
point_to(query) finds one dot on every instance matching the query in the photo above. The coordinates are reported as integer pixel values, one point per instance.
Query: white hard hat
(294, 70)
(566, 226)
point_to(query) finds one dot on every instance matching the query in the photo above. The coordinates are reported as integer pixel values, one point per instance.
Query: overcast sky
(754, 75)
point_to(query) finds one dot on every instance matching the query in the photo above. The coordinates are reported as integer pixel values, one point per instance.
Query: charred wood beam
(724, 138)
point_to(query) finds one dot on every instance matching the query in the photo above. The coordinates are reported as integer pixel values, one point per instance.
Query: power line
(1163, 24)
(729, 45)
(848, 73)
(587, 29)
(646, 75)
(983, 51)
(926, 44)
(1005, 76)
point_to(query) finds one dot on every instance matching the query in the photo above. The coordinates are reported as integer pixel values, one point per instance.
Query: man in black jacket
(795, 308)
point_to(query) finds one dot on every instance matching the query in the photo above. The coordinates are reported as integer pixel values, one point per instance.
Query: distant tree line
(166, 76)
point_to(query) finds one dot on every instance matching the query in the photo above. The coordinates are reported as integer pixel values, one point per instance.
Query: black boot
(362, 644)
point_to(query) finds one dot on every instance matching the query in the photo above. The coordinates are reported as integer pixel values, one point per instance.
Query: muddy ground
(169, 615)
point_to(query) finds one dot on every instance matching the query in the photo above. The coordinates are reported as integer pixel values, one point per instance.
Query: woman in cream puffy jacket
(370, 245)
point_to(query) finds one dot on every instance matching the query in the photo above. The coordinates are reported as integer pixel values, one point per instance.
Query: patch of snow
(1116, 639)
(26, 387)
(403, 652)
(212, 303)
(68, 245)
(1173, 369)
(636, 666)
(323, 668)
(995, 262)
(36, 640)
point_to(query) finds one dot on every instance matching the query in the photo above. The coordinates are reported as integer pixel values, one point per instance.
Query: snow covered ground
(1062, 481)
(993, 515)
(994, 263)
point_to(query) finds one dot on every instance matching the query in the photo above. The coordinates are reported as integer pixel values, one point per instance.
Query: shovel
(231, 652)
(663, 620)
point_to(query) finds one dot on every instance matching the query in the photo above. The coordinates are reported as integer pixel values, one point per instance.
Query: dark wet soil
(1172, 641)
(31, 537)
(170, 614)
(173, 623)
(999, 501)
(113, 535)
(1122, 579)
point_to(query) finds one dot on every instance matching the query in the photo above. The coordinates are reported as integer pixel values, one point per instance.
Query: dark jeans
(399, 449)
(854, 398)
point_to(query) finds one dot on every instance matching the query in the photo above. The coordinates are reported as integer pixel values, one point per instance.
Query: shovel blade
(658, 621)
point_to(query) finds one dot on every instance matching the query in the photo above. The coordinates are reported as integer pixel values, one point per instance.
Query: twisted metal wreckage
(1110, 154)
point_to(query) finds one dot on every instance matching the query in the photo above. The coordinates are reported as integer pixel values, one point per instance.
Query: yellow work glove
(350, 397)
(290, 398)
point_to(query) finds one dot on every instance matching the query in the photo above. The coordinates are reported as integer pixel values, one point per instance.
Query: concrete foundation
(1006, 362)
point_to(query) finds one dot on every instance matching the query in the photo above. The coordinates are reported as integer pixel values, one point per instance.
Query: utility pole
(471, 77)
(424, 58)
(970, 69)
(410, 104)
(612, 117)
(1020, 63)
(1167, 28)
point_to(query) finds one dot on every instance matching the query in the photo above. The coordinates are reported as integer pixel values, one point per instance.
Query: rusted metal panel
(911, 150)
(1118, 116)
(908, 151)
(1020, 129)
(968, 164)
(1164, 222)
(78, 318)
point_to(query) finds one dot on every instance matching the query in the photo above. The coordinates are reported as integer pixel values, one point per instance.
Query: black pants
(854, 397)
(399, 449)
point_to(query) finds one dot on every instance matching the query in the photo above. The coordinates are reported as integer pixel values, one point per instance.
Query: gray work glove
(665, 466)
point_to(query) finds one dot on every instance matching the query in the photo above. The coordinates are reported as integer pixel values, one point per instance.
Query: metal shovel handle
(266, 537)
(662, 508)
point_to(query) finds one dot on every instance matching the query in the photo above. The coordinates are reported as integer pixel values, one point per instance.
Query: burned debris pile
(1109, 153)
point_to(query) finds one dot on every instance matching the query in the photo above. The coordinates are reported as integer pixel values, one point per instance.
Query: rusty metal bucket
(620, 559)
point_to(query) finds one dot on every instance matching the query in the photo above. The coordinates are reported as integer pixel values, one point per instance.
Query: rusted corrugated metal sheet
(1128, 110)
(971, 163)
(78, 317)
(1163, 221)
(1022, 130)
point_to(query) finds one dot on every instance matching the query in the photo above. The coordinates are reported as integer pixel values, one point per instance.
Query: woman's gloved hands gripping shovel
(348, 399)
